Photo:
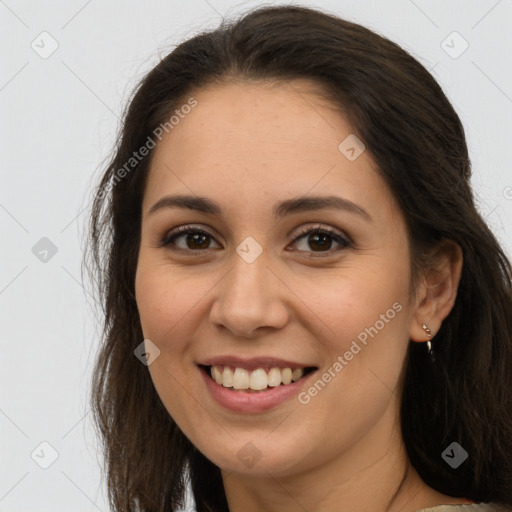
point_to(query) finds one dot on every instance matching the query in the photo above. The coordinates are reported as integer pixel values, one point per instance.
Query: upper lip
(253, 362)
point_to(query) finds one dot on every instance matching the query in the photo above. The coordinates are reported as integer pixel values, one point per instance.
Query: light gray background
(59, 119)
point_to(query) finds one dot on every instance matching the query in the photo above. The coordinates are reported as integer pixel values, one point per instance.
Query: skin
(248, 146)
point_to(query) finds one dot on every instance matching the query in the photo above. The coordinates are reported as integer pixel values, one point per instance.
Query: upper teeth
(255, 379)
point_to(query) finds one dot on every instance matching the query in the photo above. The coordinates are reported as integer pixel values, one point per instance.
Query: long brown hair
(415, 136)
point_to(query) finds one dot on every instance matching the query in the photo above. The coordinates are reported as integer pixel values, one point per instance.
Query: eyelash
(170, 238)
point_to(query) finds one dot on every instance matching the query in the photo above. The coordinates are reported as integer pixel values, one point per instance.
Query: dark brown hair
(416, 138)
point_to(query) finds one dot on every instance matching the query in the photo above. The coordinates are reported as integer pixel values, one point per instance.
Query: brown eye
(194, 238)
(321, 240)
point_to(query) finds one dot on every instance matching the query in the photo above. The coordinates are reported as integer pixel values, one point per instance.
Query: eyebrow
(280, 210)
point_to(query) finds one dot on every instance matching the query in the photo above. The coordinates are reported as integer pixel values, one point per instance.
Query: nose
(250, 298)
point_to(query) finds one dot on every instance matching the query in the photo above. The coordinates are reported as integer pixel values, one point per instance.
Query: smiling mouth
(254, 381)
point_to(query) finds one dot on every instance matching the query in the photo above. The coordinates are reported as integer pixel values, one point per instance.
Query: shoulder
(474, 507)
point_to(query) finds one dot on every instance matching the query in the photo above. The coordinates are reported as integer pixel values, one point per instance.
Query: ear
(437, 291)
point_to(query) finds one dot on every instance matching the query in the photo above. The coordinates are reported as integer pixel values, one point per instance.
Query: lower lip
(261, 401)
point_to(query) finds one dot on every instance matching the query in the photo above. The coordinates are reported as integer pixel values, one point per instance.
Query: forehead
(242, 118)
(257, 141)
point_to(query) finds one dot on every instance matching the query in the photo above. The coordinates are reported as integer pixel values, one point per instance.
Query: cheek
(167, 308)
(164, 301)
(346, 302)
(361, 322)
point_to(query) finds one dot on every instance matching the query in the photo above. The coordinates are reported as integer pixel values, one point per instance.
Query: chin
(256, 458)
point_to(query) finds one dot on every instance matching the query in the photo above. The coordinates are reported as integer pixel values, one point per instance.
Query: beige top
(473, 507)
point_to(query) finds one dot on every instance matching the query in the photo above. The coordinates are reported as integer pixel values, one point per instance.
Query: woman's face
(254, 286)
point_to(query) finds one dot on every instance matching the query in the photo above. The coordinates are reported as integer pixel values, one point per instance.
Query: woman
(303, 308)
